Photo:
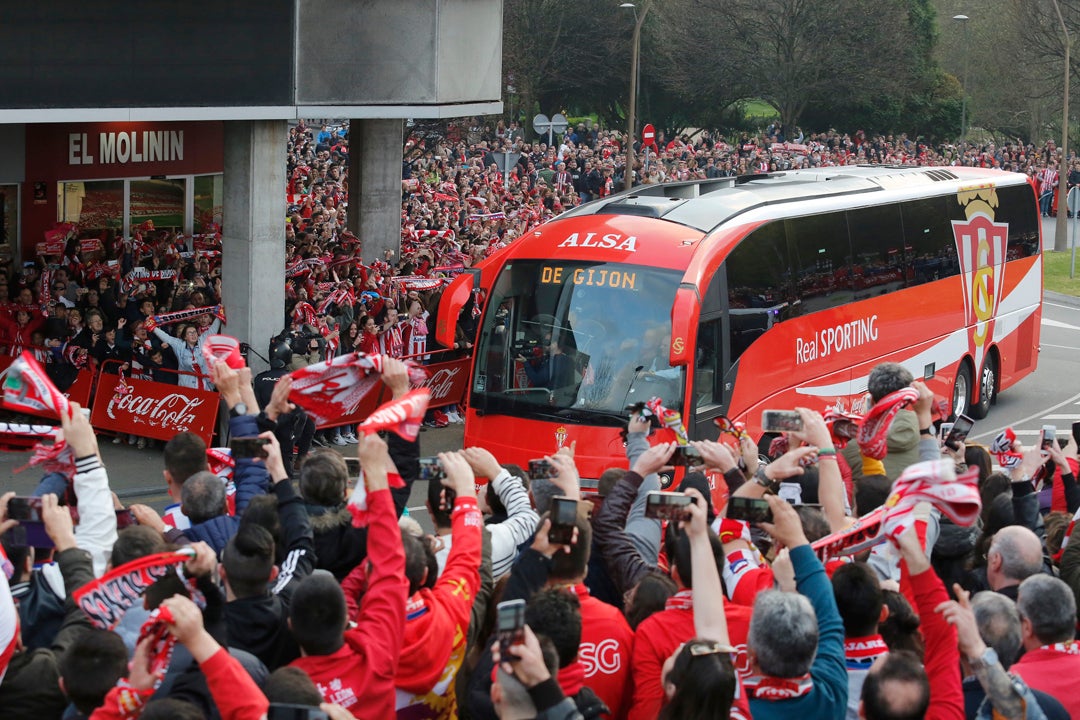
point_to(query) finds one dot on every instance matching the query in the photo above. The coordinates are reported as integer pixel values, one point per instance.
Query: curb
(1061, 299)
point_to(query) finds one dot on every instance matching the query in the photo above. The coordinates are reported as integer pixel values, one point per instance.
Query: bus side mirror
(453, 299)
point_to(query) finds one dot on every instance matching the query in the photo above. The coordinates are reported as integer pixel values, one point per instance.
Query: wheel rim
(960, 394)
(986, 393)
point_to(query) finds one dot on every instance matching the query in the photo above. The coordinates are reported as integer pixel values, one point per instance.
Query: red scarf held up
(873, 437)
(762, 687)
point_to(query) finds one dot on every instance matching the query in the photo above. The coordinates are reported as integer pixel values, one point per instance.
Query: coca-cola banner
(446, 381)
(155, 410)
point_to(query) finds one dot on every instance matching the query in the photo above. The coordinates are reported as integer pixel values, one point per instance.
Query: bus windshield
(576, 342)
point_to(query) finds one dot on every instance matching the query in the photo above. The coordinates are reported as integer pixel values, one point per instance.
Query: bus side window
(881, 263)
(928, 238)
(708, 374)
(708, 355)
(1014, 207)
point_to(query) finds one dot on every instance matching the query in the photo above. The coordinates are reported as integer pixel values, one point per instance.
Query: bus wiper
(611, 417)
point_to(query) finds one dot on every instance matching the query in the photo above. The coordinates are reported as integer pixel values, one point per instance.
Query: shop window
(209, 190)
(93, 206)
(159, 201)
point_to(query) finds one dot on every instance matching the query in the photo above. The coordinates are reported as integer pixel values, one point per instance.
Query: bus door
(708, 397)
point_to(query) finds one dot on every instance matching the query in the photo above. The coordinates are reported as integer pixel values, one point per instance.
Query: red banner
(78, 392)
(155, 410)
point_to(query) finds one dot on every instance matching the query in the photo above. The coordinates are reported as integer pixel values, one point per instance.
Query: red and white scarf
(682, 600)
(107, 598)
(1070, 648)
(760, 687)
(1002, 448)
(861, 652)
(27, 387)
(334, 388)
(670, 419)
(873, 437)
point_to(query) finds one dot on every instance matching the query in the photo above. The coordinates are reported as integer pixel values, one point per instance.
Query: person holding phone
(440, 608)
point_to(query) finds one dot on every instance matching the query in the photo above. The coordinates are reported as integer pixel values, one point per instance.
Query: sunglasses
(702, 648)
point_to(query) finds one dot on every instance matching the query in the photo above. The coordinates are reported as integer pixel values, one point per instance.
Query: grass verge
(1056, 273)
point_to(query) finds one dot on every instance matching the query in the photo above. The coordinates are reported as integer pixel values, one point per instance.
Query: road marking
(1063, 347)
(1061, 417)
(1065, 307)
(1026, 432)
(1059, 324)
(1029, 418)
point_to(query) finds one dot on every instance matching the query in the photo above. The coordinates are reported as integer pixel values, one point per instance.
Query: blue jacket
(251, 479)
(828, 699)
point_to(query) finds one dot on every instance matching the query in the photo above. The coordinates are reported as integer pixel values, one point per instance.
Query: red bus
(734, 295)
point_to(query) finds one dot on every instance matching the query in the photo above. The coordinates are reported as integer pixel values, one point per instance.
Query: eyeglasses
(701, 648)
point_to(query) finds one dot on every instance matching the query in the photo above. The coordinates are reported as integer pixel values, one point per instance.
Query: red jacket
(361, 673)
(437, 623)
(1054, 673)
(604, 653)
(658, 637)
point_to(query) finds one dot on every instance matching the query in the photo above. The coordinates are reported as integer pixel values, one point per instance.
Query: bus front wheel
(987, 388)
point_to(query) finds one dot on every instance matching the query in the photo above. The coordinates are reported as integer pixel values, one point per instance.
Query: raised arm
(380, 626)
(297, 535)
(96, 532)
(710, 622)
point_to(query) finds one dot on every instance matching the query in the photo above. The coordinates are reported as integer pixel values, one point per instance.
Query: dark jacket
(339, 546)
(30, 689)
(41, 611)
(625, 566)
(259, 624)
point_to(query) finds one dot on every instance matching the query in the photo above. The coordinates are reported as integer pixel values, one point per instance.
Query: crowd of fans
(88, 306)
(286, 604)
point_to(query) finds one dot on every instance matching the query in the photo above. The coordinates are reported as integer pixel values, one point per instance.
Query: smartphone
(1076, 432)
(685, 456)
(752, 510)
(958, 432)
(542, 469)
(661, 505)
(431, 469)
(510, 626)
(1049, 435)
(352, 464)
(24, 509)
(248, 447)
(781, 421)
(944, 430)
(563, 520)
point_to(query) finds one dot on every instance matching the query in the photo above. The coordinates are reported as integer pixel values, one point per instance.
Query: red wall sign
(155, 410)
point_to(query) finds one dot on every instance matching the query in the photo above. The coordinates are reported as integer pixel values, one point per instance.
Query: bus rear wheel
(962, 390)
(987, 388)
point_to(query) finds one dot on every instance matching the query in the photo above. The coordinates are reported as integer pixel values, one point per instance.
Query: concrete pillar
(375, 155)
(253, 243)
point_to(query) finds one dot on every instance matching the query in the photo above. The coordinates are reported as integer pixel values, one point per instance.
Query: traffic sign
(557, 124)
(648, 135)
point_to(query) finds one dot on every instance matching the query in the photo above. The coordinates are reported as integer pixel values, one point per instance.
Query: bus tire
(961, 399)
(988, 380)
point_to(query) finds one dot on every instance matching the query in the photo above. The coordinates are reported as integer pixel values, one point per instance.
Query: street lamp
(963, 19)
(634, 69)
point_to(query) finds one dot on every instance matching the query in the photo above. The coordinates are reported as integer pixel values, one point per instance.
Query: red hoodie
(437, 622)
(360, 675)
(661, 634)
(604, 653)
